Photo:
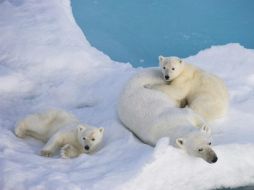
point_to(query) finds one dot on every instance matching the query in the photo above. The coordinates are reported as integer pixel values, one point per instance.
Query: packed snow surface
(46, 62)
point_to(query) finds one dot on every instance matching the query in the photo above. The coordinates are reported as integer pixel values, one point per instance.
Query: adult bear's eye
(209, 143)
(164, 67)
(93, 139)
(173, 68)
(84, 138)
(200, 150)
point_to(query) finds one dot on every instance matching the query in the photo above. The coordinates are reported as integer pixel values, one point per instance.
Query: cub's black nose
(166, 77)
(87, 147)
(214, 159)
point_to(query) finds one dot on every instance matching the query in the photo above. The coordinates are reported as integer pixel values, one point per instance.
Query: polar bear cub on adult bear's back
(204, 93)
(59, 129)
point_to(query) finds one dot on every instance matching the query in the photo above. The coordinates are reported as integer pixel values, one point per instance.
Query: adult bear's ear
(81, 127)
(161, 58)
(101, 129)
(206, 130)
(180, 142)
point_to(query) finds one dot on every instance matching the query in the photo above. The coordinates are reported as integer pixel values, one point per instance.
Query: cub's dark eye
(173, 68)
(164, 67)
(200, 150)
(84, 138)
(93, 139)
(209, 143)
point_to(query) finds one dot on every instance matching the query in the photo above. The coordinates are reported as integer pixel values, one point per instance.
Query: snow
(46, 62)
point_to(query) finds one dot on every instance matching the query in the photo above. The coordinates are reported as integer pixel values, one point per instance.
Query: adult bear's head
(198, 144)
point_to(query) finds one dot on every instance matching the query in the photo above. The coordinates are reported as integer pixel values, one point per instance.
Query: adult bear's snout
(214, 159)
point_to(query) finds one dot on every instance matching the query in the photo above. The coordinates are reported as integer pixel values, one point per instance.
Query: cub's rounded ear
(206, 130)
(101, 129)
(180, 142)
(81, 127)
(161, 58)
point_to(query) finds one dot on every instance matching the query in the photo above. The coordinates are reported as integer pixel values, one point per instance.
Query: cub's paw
(66, 151)
(149, 86)
(46, 153)
(20, 130)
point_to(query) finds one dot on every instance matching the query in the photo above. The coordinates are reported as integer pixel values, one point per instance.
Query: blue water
(137, 31)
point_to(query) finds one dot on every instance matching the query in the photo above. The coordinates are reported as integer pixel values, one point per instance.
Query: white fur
(151, 115)
(59, 129)
(204, 93)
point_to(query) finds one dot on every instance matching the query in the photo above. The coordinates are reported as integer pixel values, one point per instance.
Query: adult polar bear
(150, 114)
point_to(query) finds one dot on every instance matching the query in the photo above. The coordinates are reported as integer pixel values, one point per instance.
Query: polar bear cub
(204, 93)
(59, 129)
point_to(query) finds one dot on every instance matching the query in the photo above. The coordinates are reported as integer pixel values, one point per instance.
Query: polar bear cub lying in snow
(59, 129)
(204, 93)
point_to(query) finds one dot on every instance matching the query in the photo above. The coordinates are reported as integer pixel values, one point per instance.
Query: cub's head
(90, 137)
(198, 144)
(171, 67)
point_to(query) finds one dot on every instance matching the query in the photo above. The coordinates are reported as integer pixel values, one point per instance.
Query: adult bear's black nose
(166, 77)
(214, 159)
(87, 147)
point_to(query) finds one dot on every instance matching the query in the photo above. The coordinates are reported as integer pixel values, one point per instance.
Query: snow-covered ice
(46, 61)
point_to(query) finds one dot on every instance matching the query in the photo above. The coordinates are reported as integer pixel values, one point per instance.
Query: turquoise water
(138, 31)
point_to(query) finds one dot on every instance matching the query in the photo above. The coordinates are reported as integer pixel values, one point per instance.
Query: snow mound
(45, 62)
